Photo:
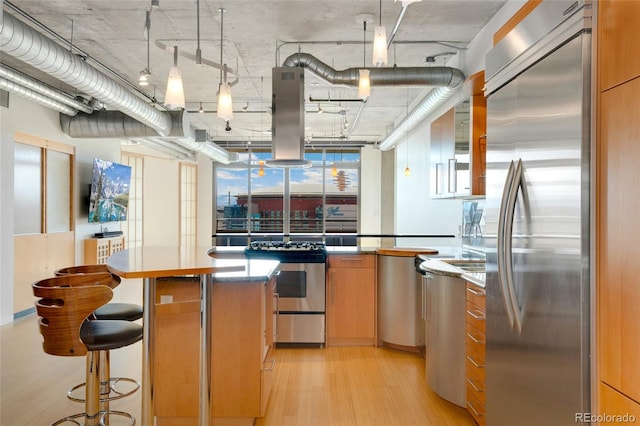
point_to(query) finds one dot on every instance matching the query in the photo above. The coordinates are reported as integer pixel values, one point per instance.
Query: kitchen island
(186, 361)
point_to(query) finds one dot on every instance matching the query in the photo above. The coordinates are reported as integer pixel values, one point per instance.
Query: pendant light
(174, 96)
(225, 102)
(143, 76)
(380, 43)
(364, 84)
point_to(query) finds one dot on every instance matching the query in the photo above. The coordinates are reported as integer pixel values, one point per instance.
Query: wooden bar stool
(65, 306)
(111, 311)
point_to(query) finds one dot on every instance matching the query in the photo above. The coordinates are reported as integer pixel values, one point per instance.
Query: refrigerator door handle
(501, 243)
(508, 255)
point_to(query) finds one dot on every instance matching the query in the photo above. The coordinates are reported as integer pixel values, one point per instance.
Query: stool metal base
(103, 419)
(117, 394)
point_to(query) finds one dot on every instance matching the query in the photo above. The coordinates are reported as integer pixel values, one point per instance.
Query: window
(188, 197)
(265, 203)
(133, 226)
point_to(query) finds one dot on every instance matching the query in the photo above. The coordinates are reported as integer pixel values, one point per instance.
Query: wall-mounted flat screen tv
(109, 198)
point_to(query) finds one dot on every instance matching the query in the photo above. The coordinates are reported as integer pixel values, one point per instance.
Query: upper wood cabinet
(458, 146)
(618, 47)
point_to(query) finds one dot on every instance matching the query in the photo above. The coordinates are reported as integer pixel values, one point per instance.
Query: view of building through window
(266, 203)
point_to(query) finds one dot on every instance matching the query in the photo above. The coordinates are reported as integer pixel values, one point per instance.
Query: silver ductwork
(115, 124)
(36, 97)
(34, 85)
(24, 43)
(393, 76)
(447, 80)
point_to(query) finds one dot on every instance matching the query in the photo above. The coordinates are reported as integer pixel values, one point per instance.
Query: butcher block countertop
(405, 251)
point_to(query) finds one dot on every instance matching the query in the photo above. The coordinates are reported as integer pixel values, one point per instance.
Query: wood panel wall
(617, 203)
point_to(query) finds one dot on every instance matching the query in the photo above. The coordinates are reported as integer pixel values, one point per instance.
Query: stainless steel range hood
(287, 125)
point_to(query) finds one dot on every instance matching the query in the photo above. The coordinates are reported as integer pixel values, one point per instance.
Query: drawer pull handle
(479, 315)
(473, 385)
(476, 292)
(475, 339)
(272, 367)
(470, 405)
(473, 361)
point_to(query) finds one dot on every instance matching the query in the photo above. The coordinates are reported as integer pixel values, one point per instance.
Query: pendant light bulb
(407, 171)
(225, 103)
(364, 84)
(143, 77)
(174, 96)
(380, 46)
(334, 171)
(201, 110)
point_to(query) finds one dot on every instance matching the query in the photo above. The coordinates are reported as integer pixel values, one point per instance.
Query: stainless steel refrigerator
(537, 219)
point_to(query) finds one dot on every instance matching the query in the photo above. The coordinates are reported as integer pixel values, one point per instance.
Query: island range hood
(287, 125)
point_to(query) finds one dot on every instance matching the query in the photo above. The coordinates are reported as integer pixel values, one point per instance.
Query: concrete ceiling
(259, 35)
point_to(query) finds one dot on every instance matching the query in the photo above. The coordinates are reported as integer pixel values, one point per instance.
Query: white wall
(24, 116)
(161, 204)
(370, 194)
(416, 212)
(160, 201)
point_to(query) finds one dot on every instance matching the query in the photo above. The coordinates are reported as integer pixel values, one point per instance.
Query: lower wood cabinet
(98, 250)
(351, 300)
(475, 351)
(242, 370)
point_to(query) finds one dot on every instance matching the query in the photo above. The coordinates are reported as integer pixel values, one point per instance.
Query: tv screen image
(109, 198)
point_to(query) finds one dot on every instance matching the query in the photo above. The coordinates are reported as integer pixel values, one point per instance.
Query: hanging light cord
(364, 45)
(221, 40)
(198, 51)
(380, 12)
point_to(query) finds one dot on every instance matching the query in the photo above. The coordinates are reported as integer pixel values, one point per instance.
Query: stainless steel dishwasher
(400, 324)
(444, 309)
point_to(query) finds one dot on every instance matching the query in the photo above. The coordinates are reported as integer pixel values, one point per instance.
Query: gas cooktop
(290, 251)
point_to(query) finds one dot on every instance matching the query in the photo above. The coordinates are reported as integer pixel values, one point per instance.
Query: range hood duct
(26, 44)
(287, 118)
(390, 76)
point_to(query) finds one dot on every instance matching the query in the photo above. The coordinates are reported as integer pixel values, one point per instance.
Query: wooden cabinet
(618, 152)
(242, 337)
(476, 349)
(458, 145)
(351, 300)
(97, 250)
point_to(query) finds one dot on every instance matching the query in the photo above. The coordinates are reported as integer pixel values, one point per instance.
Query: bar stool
(110, 311)
(65, 306)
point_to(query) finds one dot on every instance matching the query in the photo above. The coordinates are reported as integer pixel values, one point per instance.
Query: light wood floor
(313, 387)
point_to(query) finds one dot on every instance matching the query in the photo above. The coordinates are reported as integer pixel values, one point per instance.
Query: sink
(466, 265)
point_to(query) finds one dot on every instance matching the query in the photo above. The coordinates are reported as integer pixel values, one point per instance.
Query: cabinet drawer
(351, 261)
(475, 367)
(476, 318)
(476, 388)
(476, 295)
(476, 409)
(476, 346)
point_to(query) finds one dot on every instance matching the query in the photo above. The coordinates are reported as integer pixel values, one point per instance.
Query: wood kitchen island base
(241, 369)
(208, 336)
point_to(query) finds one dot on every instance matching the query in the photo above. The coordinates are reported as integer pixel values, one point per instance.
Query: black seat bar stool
(65, 306)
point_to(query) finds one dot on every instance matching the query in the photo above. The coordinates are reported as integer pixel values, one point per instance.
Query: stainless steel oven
(300, 286)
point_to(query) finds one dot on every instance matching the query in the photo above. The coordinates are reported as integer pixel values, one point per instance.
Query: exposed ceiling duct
(49, 93)
(36, 97)
(115, 124)
(390, 76)
(447, 80)
(24, 43)
(133, 118)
